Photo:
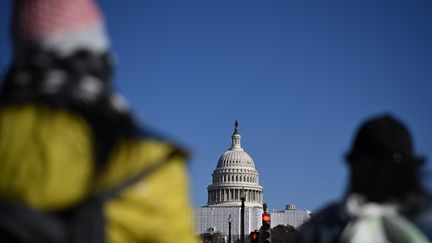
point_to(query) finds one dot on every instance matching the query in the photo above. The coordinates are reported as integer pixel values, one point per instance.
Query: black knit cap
(384, 139)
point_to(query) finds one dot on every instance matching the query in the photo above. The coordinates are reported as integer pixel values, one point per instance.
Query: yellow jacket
(47, 162)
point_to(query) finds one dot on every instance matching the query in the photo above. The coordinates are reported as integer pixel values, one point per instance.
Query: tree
(283, 234)
(215, 237)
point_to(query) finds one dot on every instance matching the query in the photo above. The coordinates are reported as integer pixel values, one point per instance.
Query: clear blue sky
(298, 75)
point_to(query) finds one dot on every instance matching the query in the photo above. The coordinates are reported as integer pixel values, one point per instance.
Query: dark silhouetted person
(75, 165)
(385, 201)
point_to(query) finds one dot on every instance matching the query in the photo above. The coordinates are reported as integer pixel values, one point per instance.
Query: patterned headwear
(62, 56)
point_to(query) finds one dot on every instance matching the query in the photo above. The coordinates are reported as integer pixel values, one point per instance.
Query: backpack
(84, 223)
(379, 223)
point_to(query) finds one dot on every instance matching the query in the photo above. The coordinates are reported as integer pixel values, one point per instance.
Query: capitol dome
(232, 158)
(235, 175)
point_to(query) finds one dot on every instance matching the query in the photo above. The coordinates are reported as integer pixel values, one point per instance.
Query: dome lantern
(236, 138)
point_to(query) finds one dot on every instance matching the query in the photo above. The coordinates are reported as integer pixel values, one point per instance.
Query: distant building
(290, 216)
(235, 174)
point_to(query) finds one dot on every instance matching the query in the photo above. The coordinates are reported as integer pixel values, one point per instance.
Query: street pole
(229, 232)
(229, 228)
(242, 198)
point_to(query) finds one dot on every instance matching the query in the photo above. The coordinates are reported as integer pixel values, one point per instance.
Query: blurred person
(385, 200)
(75, 166)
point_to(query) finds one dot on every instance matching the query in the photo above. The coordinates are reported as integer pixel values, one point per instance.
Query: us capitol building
(235, 175)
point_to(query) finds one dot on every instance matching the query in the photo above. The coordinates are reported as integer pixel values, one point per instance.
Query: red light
(266, 217)
(254, 236)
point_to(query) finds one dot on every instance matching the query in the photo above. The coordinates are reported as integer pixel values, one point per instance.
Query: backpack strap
(21, 224)
(116, 190)
(87, 222)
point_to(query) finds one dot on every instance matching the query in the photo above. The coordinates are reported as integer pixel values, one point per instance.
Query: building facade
(290, 216)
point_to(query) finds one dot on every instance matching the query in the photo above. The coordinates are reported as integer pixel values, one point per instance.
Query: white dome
(235, 174)
(235, 158)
